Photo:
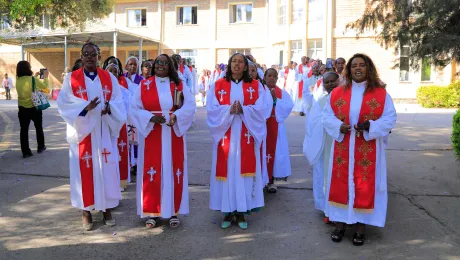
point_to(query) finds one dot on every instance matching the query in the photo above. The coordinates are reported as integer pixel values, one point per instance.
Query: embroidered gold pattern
(373, 104)
(339, 103)
(364, 163)
(365, 148)
(340, 147)
(339, 161)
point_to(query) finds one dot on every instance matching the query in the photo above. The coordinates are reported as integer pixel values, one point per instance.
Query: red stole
(299, 94)
(77, 82)
(319, 82)
(151, 179)
(247, 142)
(272, 136)
(286, 73)
(181, 68)
(122, 81)
(365, 151)
(122, 143)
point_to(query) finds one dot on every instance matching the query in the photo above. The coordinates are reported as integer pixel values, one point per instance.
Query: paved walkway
(37, 221)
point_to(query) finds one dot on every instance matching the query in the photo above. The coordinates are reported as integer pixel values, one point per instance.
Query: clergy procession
(132, 119)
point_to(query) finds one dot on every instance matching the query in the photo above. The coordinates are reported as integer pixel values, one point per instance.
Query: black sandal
(358, 239)
(337, 235)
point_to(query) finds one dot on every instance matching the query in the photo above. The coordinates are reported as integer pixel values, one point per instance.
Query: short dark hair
(91, 44)
(23, 69)
(246, 76)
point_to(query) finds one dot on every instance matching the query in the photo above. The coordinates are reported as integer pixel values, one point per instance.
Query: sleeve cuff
(83, 113)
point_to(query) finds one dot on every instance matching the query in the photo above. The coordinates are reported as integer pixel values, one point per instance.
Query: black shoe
(337, 235)
(41, 149)
(301, 114)
(358, 239)
(27, 155)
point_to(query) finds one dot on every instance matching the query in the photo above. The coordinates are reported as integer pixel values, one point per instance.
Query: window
(282, 12)
(315, 11)
(296, 50)
(426, 69)
(189, 54)
(241, 13)
(404, 63)
(5, 23)
(136, 54)
(187, 15)
(242, 51)
(137, 18)
(315, 49)
(298, 10)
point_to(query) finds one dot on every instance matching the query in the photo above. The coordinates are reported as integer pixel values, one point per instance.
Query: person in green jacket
(27, 111)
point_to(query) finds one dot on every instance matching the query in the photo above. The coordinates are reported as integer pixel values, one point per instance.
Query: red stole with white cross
(272, 136)
(122, 143)
(85, 157)
(319, 82)
(299, 93)
(247, 142)
(151, 179)
(365, 151)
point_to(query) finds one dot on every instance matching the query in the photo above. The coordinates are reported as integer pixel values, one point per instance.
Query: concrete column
(213, 34)
(140, 55)
(115, 43)
(65, 52)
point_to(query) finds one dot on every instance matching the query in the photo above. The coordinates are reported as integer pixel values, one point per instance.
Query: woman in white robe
(317, 143)
(162, 175)
(277, 158)
(91, 104)
(236, 180)
(367, 115)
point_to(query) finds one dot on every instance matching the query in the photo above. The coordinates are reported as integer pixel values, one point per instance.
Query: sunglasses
(88, 54)
(162, 62)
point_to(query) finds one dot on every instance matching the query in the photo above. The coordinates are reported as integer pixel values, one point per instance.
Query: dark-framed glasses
(89, 54)
(162, 62)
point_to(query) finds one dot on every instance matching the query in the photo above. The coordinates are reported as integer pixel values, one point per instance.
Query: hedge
(456, 134)
(439, 96)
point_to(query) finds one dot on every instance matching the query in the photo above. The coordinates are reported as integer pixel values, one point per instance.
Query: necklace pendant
(358, 134)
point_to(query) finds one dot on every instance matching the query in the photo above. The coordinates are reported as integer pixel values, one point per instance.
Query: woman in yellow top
(27, 111)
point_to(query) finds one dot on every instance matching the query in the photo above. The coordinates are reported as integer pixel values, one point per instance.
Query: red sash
(286, 72)
(151, 183)
(272, 136)
(123, 148)
(319, 82)
(77, 82)
(181, 68)
(122, 81)
(365, 151)
(247, 142)
(299, 94)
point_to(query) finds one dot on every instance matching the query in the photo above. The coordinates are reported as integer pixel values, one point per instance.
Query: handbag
(38, 98)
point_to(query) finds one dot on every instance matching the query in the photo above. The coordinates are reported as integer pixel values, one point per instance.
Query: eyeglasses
(162, 62)
(88, 54)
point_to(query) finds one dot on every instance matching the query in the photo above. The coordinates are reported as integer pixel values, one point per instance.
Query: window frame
(300, 50)
(286, 3)
(428, 60)
(315, 48)
(293, 11)
(408, 62)
(144, 57)
(230, 12)
(179, 7)
(230, 51)
(4, 22)
(135, 9)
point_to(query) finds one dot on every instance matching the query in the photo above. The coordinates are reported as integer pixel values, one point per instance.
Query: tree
(26, 14)
(431, 28)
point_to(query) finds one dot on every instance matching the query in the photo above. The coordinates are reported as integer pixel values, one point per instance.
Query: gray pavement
(37, 221)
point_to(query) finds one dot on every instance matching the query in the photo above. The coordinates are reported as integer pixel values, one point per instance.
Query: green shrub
(439, 96)
(456, 134)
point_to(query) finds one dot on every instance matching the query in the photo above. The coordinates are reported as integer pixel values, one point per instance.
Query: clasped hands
(162, 120)
(94, 103)
(344, 128)
(236, 108)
